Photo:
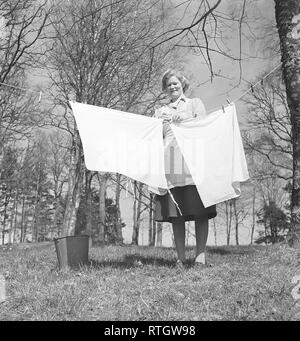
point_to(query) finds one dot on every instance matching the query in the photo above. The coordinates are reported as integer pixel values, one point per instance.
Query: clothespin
(228, 101)
(223, 108)
(252, 88)
(262, 81)
(40, 97)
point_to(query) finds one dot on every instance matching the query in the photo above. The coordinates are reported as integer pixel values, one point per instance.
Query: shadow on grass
(138, 261)
(230, 250)
(132, 261)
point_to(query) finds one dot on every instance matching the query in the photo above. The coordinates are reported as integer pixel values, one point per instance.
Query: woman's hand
(176, 118)
(166, 118)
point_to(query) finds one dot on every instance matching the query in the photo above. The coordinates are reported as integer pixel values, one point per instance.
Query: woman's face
(174, 88)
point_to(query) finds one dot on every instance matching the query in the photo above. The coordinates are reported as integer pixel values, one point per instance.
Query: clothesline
(229, 103)
(24, 89)
(254, 85)
(126, 153)
(251, 88)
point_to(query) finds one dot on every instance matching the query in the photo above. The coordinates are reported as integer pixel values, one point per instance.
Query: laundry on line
(132, 145)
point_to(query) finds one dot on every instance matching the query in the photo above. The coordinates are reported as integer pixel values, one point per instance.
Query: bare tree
(269, 126)
(205, 27)
(57, 168)
(229, 218)
(159, 230)
(287, 15)
(253, 215)
(137, 214)
(98, 58)
(102, 179)
(240, 213)
(23, 25)
(23, 30)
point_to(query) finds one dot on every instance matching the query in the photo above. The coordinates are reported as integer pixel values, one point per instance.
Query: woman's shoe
(202, 265)
(179, 264)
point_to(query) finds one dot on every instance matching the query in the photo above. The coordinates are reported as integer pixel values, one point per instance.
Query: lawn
(135, 283)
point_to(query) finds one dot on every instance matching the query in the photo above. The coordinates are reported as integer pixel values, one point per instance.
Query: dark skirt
(189, 202)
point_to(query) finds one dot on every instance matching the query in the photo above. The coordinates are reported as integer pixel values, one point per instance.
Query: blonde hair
(170, 73)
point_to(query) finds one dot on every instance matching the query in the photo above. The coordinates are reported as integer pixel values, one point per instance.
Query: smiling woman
(182, 188)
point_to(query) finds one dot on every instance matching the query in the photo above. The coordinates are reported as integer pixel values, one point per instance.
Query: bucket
(72, 251)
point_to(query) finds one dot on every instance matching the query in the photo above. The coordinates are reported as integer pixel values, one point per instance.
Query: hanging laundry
(130, 144)
(120, 142)
(213, 151)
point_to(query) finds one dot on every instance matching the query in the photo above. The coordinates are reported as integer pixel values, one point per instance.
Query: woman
(180, 182)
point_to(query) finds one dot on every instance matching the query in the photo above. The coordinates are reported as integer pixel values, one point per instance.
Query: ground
(135, 283)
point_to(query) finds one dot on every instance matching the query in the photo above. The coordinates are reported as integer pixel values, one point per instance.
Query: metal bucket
(72, 251)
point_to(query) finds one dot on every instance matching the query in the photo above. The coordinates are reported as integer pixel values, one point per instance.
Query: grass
(132, 283)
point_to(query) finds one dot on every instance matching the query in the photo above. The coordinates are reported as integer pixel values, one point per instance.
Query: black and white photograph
(149, 163)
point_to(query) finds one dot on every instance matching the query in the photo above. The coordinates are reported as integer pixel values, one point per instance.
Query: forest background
(113, 54)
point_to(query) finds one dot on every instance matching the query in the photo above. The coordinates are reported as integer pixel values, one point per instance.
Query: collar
(175, 104)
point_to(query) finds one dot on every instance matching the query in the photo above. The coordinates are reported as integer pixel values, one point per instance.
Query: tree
(228, 218)
(275, 223)
(269, 126)
(57, 169)
(112, 223)
(239, 215)
(22, 31)
(99, 238)
(137, 211)
(288, 21)
(8, 172)
(23, 27)
(99, 58)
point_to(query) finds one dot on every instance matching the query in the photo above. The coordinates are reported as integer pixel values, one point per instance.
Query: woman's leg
(178, 225)
(201, 232)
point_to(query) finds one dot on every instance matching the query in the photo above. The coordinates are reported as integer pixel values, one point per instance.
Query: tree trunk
(23, 219)
(287, 13)
(228, 212)
(253, 216)
(215, 232)
(12, 215)
(118, 227)
(56, 226)
(153, 232)
(159, 227)
(74, 188)
(16, 217)
(88, 197)
(150, 225)
(36, 203)
(55, 219)
(6, 201)
(100, 235)
(135, 231)
(236, 222)
(139, 211)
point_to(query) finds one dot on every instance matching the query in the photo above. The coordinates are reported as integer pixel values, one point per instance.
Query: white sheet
(130, 144)
(213, 151)
(117, 141)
